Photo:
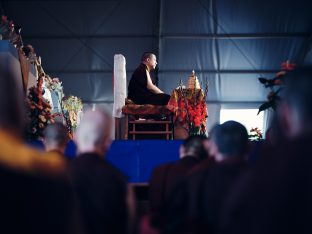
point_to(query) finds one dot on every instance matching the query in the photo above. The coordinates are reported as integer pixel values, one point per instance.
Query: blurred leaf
(263, 80)
(265, 106)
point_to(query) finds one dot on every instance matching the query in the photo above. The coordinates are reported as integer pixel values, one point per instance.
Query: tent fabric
(229, 43)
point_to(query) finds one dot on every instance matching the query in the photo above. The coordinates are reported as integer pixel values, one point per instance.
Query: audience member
(56, 138)
(210, 149)
(101, 189)
(276, 197)
(203, 194)
(231, 145)
(36, 196)
(165, 177)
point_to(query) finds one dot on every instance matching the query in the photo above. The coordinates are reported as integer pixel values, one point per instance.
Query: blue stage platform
(136, 159)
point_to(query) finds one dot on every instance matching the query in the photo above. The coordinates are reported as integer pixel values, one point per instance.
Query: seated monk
(142, 88)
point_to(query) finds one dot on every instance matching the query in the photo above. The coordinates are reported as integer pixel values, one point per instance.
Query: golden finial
(180, 83)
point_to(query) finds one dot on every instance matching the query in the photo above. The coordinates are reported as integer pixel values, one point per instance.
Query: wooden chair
(157, 121)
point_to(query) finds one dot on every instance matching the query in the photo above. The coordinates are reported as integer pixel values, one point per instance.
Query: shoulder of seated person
(18, 156)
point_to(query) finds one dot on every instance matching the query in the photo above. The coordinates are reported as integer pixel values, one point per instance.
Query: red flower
(277, 82)
(183, 114)
(280, 73)
(192, 114)
(4, 18)
(287, 66)
(197, 121)
(11, 24)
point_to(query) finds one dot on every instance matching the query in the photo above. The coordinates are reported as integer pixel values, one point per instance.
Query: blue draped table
(136, 159)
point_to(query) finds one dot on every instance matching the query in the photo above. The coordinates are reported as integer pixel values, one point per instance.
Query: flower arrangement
(10, 31)
(73, 106)
(275, 85)
(255, 134)
(192, 112)
(39, 109)
(54, 84)
(39, 112)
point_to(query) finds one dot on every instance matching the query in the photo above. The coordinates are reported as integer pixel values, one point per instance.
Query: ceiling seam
(72, 33)
(94, 32)
(234, 43)
(159, 30)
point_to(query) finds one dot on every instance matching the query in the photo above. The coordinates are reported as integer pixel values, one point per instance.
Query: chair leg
(172, 126)
(133, 129)
(127, 127)
(167, 129)
(117, 129)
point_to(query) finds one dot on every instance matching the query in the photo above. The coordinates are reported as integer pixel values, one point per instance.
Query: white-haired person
(102, 190)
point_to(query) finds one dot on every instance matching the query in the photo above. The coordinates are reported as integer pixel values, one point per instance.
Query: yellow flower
(42, 118)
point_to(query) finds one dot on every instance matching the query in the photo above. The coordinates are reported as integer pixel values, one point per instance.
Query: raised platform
(136, 159)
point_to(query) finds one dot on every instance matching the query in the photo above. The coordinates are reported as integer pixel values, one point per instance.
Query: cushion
(147, 109)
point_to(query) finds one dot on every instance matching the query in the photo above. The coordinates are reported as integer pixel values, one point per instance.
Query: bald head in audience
(106, 199)
(55, 137)
(93, 132)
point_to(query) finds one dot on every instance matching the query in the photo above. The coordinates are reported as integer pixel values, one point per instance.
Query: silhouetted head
(194, 146)
(55, 137)
(231, 139)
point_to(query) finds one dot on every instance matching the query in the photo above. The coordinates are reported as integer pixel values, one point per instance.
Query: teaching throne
(147, 121)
